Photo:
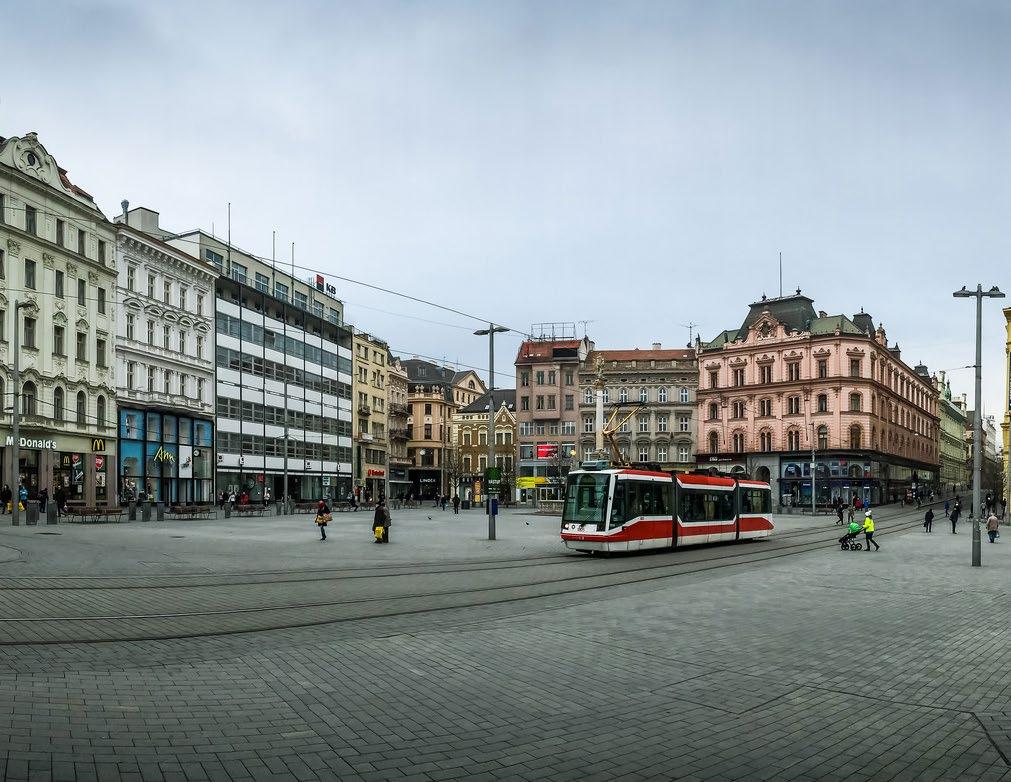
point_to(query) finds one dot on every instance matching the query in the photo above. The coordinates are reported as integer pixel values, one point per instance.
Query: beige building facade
(397, 415)
(371, 422)
(470, 436)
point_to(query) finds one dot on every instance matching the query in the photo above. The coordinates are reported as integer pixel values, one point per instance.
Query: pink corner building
(790, 379)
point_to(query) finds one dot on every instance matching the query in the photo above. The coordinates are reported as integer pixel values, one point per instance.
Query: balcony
(364, 410)
(364, 437)
(398, 409)
(399, 435)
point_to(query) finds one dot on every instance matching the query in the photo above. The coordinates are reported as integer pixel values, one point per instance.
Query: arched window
(29, 400)
(714, 442)
(793, 440)
(738, 442)
(765, 441)
(58, 405)
(643, 394)
(823, 438)
(683, 395)
(661, 395)
(738, 409)
(82, 408)
(623, 395)
(855, 403)
(100, 411)
(855, 437)
(822, 403)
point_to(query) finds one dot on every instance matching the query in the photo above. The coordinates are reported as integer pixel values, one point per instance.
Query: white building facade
(164, 366)
(283, 380)
(57, 253)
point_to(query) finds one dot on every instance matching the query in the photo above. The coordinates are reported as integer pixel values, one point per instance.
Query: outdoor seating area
(94, 515)
(190, 512)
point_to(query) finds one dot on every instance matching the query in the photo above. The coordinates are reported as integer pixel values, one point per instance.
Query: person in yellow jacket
(869, 531)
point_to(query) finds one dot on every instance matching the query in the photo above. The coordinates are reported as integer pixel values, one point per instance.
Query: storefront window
(153, 427)
(131, 425)
(185, 431)
(168, 428)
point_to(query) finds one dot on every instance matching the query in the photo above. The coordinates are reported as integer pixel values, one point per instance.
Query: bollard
(131, 511)
(32, 513)
(52, 517)
(160, 511)
(228, 510)
(145, 511)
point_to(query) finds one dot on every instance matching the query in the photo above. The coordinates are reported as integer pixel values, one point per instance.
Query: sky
(635, 165)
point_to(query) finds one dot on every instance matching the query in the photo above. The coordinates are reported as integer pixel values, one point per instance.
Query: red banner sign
(547, 451)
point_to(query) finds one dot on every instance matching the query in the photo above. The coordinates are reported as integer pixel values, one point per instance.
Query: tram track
(213, 615)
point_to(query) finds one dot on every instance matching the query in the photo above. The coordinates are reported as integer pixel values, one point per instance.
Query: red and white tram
(626, 509)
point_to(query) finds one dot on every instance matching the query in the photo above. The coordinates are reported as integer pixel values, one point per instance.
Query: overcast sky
(636, 165)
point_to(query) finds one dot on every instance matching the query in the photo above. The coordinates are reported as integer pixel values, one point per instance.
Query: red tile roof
(543, 349)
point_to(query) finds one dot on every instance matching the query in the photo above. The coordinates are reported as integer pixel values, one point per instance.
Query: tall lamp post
(814, 473)
(16, 416)
(491, 331)
(977, 434)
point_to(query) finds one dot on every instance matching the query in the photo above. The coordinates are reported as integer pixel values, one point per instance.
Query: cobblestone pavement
(826, 665)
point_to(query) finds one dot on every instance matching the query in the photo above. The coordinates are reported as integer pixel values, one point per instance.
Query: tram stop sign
(493, 476)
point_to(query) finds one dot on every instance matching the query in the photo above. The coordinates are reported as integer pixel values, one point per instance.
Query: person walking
(869, 532)
(852, 510)
(1003, 506)
(381, 522)
(928, 520)
(991, 527)
(43, 500)
(456, 504)
(947, 507)
(266, 497)
(839, 512)
(5, 499)
(322, 518)
(60, 498)
(22, 496)
(444, 500)
(956, 511)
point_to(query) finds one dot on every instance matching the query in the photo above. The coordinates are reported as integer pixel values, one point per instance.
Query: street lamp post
(16, 416)
(491, 331)
(814, 472)
(977, 434)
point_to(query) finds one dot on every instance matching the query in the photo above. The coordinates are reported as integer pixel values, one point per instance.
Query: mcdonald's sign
(98, 445)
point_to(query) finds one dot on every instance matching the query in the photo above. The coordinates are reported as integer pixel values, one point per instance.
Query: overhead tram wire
(264, 259)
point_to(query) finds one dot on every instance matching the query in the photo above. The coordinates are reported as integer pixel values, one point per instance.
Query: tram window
(633, 499)
(756, 501)
(586, 499)
(706, 505)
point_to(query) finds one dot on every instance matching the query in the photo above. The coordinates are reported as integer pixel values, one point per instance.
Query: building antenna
(780, 274)
(584, 323)
(690, 325)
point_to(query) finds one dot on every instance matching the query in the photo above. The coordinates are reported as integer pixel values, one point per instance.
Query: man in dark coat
(381, 519)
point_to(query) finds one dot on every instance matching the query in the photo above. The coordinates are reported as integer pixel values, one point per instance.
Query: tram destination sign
(28, 442)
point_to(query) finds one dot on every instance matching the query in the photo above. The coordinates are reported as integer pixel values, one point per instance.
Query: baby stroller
(849, 542)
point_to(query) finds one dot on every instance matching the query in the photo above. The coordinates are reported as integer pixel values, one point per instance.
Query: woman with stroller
(851, 534)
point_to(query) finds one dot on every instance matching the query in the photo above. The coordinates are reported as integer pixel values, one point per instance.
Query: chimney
(656, 346)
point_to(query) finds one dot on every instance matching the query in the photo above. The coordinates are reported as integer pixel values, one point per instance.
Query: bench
(95, 515)
(190, 512)
(305, 507)
(250, 510)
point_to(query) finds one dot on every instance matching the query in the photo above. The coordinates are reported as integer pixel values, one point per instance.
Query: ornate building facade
(57, 254)
(398, 413)
(790, 381)
(164, 365)
(665, 382)
(954, 464)
(470, 436)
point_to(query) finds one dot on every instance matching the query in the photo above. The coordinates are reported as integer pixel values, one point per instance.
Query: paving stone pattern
(824, 666)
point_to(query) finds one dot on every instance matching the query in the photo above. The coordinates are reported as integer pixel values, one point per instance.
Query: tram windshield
(586, 499)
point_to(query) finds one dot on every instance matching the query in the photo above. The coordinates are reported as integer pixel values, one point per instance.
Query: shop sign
(161, 455)
(530, 482)
(547, 451)
(325, 287)
(98, 445)
(326, 480)
(26, 442)
(99, 463)
(376, 473)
